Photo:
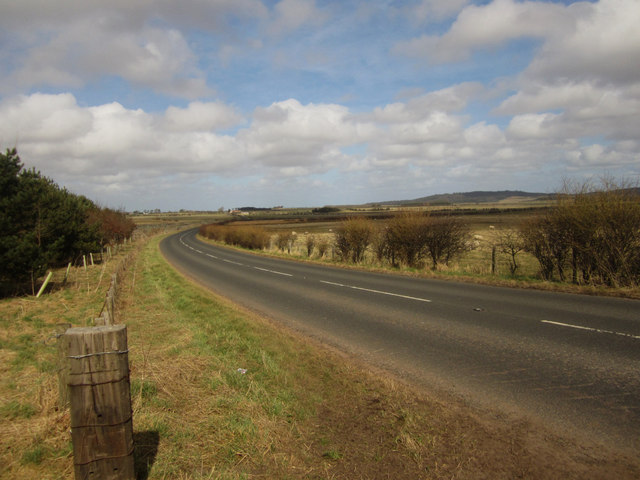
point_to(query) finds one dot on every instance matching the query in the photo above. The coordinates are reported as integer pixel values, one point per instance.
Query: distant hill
(470, 197)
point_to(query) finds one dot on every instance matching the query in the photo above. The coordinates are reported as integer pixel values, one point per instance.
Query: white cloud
(204, 14)
(531, 126)
(435, 10)
(69, 44)
(290, 15)
(71, 141)
(151, 57)
(450, 99)
(42, 118)
(483, 135)
(201, 116)
(489, 26)
(597, 156)
(288, 133)
(603, 45)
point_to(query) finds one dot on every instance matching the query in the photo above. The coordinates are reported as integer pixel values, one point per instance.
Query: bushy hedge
(353, 236)
(592, 234)
(253, 238)
(409, 239)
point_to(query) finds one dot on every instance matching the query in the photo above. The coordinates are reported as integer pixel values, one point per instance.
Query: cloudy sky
(201, 104)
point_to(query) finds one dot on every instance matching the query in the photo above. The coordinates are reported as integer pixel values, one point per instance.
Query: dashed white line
(591, 329)
(376, 291)
(273, 271)
(232, 262)
(380, 292)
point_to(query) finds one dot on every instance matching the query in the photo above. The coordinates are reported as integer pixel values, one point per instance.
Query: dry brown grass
(34, 430)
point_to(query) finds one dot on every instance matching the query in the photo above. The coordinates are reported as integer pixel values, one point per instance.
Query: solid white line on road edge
(597, 330)
(377, 291)
(273, 271)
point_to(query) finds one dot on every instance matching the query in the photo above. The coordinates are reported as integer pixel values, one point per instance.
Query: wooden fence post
(63, 372)
(493, 260)
(100, 397)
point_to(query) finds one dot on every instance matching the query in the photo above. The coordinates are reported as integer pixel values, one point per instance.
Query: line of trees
(44, 226)
(591, 235)
(409, 238)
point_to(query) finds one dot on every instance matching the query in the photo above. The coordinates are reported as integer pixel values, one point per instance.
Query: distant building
(238, 212)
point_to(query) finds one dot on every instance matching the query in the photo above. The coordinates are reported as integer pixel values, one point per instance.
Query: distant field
(507, 210)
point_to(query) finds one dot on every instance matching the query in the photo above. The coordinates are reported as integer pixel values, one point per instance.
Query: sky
(208, 104)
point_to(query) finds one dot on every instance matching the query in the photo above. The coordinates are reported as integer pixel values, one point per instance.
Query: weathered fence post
(493, 260)
(63, 372)
(100, 397)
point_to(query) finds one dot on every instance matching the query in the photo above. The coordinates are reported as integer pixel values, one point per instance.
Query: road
(571, 361)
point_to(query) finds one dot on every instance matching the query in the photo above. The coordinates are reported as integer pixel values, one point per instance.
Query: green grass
(34, 455)
(14, 409)
(206, 343)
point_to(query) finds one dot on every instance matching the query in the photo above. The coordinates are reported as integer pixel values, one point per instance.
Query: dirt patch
(397, 433)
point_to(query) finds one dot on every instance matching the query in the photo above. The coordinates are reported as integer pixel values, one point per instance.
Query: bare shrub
(379, 243)
(323, 247)
(353, 236)
(594, 231)
(310, 243)
(405, 238)
(285, 241)
(213, 232)
(446, 238)
(253, 238)
(510, 243)
(537, 234)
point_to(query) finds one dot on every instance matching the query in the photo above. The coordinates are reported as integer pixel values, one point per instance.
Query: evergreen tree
(41, 225)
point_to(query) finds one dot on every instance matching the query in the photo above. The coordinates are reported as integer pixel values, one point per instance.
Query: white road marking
(597, 330)
(209, 255)
(377, 291)
(273, 271)
(232, 262)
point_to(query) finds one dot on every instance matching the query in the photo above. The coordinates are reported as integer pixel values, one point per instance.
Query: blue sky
(202, 104)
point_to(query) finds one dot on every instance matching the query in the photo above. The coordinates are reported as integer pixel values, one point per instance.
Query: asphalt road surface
(571, 361)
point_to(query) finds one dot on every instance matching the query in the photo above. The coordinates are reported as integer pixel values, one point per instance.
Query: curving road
(572, 361)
